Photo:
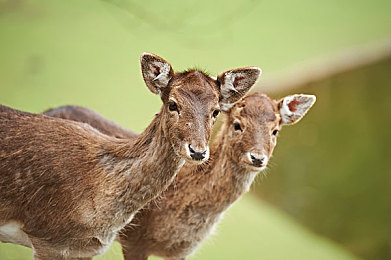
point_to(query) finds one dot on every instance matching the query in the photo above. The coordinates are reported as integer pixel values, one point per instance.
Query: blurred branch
(10, 5)
(222, 21)
(139, 12)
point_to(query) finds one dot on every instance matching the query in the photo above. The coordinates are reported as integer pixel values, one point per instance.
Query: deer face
(192, 101)
(191, 105)
(254, 123)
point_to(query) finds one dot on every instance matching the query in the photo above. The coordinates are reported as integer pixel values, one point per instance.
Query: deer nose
(197, 155)
(258, 160)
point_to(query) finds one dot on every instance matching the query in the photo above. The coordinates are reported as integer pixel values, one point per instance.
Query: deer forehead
(194, 81)
(257, 113)
(195, 97)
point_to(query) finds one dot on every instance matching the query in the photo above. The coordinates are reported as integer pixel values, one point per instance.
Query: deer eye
(216, 113)
(275, 132)
(172, 106)
(237, 127)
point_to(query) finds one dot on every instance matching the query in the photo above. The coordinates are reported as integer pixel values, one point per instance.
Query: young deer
(173, 226)
(66, 189)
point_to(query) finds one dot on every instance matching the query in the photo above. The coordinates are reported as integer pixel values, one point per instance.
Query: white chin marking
(262, 168)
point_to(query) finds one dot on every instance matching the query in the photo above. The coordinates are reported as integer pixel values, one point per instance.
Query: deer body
(89, 206)
(88, 116)
(175, 225)
(66, 189)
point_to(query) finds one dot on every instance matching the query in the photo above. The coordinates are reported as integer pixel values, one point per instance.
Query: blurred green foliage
(56, 52)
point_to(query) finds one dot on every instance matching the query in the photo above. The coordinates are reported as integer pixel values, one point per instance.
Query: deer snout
(258, 160)
(198, 154)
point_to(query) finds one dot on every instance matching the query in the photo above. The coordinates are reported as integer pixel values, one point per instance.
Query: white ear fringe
(305, 102)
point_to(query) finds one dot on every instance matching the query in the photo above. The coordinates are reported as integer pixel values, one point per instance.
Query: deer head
(192, 100)
(254, 123)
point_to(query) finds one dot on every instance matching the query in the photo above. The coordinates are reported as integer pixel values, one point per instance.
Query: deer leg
(50, 254)
(43, 251)
(131, 250)
(134, 256)
(46, 254)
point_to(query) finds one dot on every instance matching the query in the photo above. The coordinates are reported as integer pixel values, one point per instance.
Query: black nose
(197, 155)
(257, 160)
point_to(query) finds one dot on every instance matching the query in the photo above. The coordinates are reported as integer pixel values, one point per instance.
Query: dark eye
(216, 113)
(237, 127)
(275, 132)
(172, 106)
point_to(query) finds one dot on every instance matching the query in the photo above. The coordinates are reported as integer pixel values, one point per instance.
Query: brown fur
(68, 189)
(88, 116)
(173, 226)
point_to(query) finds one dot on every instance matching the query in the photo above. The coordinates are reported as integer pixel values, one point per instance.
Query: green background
(326, 191)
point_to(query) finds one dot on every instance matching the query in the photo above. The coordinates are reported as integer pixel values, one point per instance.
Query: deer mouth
(254, 167)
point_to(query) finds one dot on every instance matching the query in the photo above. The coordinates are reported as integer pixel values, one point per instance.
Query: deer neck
(221, 181)
(236, 179)
(145, 167)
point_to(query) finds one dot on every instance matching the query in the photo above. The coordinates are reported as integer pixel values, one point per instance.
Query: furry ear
(293, 108)
(156, 72)
(234, 84)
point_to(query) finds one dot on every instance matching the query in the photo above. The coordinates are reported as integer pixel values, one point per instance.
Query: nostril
(191, 149)
(257, 160)
(197, 154)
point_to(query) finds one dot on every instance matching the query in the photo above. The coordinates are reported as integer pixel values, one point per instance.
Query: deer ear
(234, 84)
(293, 108)
(156, 72)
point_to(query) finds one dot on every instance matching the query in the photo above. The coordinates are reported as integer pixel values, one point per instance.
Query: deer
(174, 225)
(66, 189)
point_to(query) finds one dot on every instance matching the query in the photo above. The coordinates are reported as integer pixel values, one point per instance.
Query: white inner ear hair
(285, 111)
(164, 72)
(229, 79)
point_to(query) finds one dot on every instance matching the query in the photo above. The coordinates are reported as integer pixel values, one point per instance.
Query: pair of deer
(67, 188)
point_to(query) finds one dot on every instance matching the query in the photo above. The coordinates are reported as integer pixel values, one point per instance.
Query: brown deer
(175, 225)
(66, 189)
